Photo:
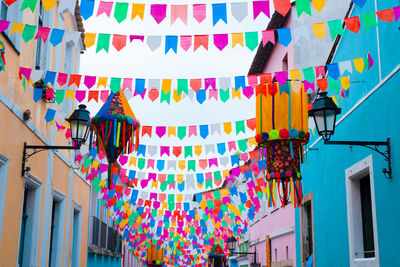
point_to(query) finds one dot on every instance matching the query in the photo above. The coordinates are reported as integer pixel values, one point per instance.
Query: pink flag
(164, 150)
(127, 84)
(186, 42)
(158, 12)
(199, 12)
(396, 11)
(268, 36)
(308, 85)
(281, 77)
(213, 93)
(260, 6)
(4, 25)
(231, 145)
(104, 95)
(220, 41)
(179, 11)
(192, 130)
(62, 78)
(105, 7)
(248, 92)
(136, 37)
(123, 159)
(320, 70)
(43, 32)
(200, 40)
(252, 80)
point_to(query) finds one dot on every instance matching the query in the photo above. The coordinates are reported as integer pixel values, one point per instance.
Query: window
(76, 236)
(30, 222)
(307, 231)
(285, 62)
(361, 213)
(56, 229)
(42, 51)
(12, 13)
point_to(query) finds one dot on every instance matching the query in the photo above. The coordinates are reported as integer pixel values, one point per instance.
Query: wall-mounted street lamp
(79, 133)
(324, 112)
(231, 241)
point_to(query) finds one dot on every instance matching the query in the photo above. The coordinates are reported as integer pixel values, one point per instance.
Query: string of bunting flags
(161, 88)
(221, 41)
(199, 11)
(191, 151)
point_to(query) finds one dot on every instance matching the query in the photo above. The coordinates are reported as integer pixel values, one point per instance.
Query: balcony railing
(104, 239)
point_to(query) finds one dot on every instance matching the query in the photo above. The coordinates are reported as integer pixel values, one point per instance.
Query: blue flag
(204, 131)
(219, 13)
(240, 81)
(171, 42)
(56, 36)
(50, 77)
(201, 96)
(86, 8)
(284, 36)
(139, 86)
(333, 70)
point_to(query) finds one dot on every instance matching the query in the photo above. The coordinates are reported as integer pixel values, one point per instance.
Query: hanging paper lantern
(282, 122)
(115, 125)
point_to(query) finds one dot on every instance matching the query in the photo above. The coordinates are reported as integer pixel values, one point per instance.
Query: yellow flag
(17, 27)
(137, 10)
(179, 178)
(177, 97)
(225, 173)
(95, 164)
(166, 85)
(295, 74)
(102, 183)
(198, 150)
(165, 205)
(334, 99)
(359, 64)
(236, 93)
(48, 4)
(171, 131)
(154, 184)
(126, 206)
(132, 161)
(70, 94)
(179, 196)
(237, 38)
(182, 165)
(102, 81)
(89, 39)
(252, 141)
(345, 82)
(227, 127)
(318, 4)
(319, 29)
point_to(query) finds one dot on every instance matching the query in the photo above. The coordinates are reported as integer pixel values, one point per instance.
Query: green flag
(181, 132)
(141, 163)
(303, 6)
(31, 4)
(217, 176)
(192, 165)
(103, 42)
(165, 97)
(171, 197)
(209, 184)
(86, 162)
(182, 86)
(188, 151)
(224, 95)
(60, 96)
(28, 32)
(334, 85)
(251, 40)
(170, 180)
(309, 74)
(369, 20)
(242, 145)
(335, 28)
(121, 11)
(171, 206)
(115, 84)
(240, 127)
(163, 186)
(217, 194)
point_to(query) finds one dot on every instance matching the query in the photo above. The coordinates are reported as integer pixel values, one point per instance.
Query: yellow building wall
(14, 132)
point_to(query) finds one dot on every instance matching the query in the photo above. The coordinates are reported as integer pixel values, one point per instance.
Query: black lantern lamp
(324, 112)
(80, 128)
(231, 242)
(78, 122)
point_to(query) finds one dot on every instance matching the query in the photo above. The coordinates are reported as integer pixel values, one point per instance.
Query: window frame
(307, 198)
(355, 172)
(13, 12)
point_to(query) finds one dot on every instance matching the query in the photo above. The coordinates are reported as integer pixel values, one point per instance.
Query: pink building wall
(278, 224)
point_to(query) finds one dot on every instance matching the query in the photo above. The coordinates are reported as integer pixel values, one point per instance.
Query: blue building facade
(351, 211)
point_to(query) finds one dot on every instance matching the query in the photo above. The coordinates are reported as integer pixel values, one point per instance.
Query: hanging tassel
(123, 135)
(292, 192)
(118, 134)
(137, 140)
(115, 132)
(109, 175)
(297, 193)
(109, 131)
(273, 193)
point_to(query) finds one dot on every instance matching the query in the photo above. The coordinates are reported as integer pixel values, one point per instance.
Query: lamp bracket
(373, 145)
(37, 149)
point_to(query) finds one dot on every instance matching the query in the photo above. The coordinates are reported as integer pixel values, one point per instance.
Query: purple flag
(220, 41)
(89, 81)
(281, 77)
(136, 37)
(158, 12)
(260, 7)
(4, 25)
